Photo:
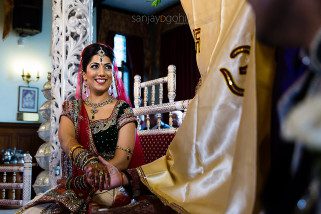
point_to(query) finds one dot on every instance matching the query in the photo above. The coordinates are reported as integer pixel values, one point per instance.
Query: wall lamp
(27, 77)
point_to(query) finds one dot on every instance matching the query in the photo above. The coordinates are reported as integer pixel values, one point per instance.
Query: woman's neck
(97, 98)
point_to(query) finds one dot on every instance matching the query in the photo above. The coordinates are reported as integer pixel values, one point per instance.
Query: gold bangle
(71, 151)
(127, 150)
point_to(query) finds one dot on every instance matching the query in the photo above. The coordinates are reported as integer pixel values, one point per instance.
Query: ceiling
(139, 6)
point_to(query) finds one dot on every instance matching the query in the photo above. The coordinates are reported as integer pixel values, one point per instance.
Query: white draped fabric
(210, 167)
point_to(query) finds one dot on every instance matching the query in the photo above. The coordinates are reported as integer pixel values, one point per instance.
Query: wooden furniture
(22, 136)
(14, 179)
(156, 141)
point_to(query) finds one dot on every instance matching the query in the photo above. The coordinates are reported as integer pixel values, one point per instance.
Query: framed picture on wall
(28, 99)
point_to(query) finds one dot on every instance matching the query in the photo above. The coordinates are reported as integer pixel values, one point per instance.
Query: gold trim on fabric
(68, 199)
(174, 206)
(103, 124)
(231, 84)
(197, 39)
(127, 117)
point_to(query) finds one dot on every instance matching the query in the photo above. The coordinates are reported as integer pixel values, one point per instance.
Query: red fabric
(83, 127)
(83, 137)
(138, 158)
(155, 146)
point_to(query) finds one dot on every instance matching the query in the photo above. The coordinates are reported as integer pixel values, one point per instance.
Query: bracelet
(83, 158)
(68, 183)
(127, 150)
(90, 160)
(71, 151)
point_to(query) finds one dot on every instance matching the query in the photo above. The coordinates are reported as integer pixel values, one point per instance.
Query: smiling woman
(96, 123)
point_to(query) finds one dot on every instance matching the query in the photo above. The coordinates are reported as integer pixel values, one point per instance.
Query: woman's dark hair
(92, 50)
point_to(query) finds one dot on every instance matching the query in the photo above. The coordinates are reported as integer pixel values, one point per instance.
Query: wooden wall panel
(22, 136)
(5, 140)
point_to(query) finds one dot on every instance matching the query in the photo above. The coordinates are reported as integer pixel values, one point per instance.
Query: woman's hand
(116, 178)
(97, 176)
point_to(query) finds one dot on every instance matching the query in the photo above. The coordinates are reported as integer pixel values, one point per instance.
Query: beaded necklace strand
(94, 106)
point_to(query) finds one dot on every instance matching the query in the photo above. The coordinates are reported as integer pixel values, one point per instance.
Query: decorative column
(71, 32)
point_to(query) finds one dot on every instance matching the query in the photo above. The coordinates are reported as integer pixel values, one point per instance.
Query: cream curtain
(210, 167)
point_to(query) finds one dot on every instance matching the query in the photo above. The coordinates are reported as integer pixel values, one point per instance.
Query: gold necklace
(94, 106)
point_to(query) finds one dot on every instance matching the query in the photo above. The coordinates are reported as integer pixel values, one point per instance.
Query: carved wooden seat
(15, 183)
(156, 141)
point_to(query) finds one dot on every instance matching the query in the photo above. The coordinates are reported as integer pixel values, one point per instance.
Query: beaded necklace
(94, 106)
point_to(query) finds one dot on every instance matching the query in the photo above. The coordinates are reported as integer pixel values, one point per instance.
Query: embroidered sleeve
(125, 115)
(68, 110)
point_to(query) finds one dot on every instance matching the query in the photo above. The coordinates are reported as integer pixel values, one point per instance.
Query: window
(120, 55)
(120, 49)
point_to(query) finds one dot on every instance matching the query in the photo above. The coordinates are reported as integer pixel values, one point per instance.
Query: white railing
(6, 170)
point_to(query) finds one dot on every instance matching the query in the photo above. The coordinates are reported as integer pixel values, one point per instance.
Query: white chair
(12, 183)
(156, 141)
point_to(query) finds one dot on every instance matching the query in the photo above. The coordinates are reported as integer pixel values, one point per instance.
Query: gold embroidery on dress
(101, 125)
(127, 117)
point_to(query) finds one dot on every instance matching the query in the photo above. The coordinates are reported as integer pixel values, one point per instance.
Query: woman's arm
(81, 157)
(125, 146)
(66, 134)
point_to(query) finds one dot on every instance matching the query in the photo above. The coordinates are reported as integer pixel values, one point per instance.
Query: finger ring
(101, 173)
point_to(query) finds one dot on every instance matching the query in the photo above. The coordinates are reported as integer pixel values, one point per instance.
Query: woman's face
(98, 74)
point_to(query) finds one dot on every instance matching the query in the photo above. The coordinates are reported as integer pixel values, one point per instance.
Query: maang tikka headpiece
(101, 54)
